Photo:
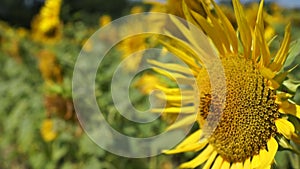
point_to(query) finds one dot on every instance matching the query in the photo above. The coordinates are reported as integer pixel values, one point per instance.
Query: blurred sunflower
(133, 44)
(137, 9)
(174, 7)
(104, 20)
(46, 26)
(47, 130)
(10, 41)
(49, 68)
(255, 117)
(129, 46)
(147, 83)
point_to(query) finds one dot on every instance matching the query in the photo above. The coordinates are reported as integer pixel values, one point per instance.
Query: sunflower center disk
(247, 120)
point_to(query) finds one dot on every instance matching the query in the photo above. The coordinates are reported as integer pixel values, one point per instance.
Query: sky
(286, 3)
(289, 3)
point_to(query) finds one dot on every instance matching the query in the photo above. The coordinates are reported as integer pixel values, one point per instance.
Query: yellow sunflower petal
(265, 159)
(174, 91)
(187, 13)
(182, 55)
(243, 25)
(210, 160)
(260, 40)
(192, 147)
(225, 165)
(168, 90)
(268, 167)
(281, 55)
(200, 159)
(191, 143)
(230, 32)
(218, 163)
(185, 110)
(289, 108)
(285, 127)
(256, 48)
(255, 163)
(193, 138)
(237, 166)
(263, 47)
(267, 73)
(184, 30)
(268, 156)
(279, 78)
(170, 75)
(210, 30)
(257, 36)
(247, 164)
(218, 32)
(174, 97)
(213, 30)
(201, 45)
(194, 43)
(172, 67)
(182, 122)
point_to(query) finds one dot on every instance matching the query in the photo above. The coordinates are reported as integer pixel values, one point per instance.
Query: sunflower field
(258, 45)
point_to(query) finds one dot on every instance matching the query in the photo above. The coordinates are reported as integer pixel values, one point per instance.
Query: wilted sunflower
(254, 122)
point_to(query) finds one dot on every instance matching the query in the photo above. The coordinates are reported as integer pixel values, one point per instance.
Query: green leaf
(26, 134)
(294, 53)
(295, 121)
(296, 97)
(38, 159)
(291, 85)
(92, 163)
(88, 147)
(286, 145)
(68, 165)
(58, 151)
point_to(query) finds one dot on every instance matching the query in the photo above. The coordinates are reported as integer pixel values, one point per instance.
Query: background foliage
(35, 88)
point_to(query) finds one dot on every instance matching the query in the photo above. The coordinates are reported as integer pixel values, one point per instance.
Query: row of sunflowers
(258, 48)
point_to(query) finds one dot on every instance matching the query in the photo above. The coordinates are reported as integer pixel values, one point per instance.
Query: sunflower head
(47, 130)
(46, 26)
(104, 20)
(241, 120)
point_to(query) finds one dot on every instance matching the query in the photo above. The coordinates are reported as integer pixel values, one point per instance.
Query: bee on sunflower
(255, 118)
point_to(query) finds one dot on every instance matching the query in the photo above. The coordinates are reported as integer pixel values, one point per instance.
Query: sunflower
(46, 26)
(49, 68)
(47, 130)
(255, 120)
(140, 42)
(104, 20)
(147, 83)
